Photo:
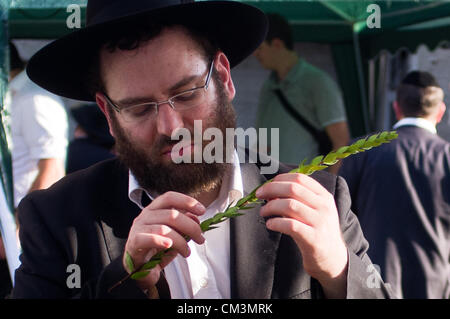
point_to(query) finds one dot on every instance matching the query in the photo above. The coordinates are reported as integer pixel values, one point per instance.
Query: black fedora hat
(61, 67)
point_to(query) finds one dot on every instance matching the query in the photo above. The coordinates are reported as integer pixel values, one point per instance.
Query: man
(37, 133)
(39, 130)
(157, 71)
(92, 141)
(310, 92)
(401, 194)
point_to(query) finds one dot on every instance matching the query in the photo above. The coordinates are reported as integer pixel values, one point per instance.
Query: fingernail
(200, 208)
(167, 242)
(188, 251)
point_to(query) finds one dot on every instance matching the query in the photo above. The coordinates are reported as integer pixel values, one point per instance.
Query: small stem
(120, 282)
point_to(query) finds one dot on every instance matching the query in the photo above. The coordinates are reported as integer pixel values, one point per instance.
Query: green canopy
(356, 35)
(342, 24)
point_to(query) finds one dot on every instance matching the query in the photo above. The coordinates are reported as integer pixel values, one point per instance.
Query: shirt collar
(416, 121)
(292, 75)
(234, 187)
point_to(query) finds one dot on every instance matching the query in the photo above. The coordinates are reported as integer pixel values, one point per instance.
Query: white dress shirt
(39, 130)
(416, 121)
(205, 274)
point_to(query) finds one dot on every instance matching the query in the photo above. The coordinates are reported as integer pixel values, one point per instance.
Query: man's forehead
(158, 64)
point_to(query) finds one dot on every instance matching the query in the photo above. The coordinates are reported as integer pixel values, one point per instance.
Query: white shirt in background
(39, 130)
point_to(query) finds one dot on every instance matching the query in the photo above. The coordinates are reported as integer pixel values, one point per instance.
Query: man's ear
(397, 110)
(103, 105)
(222, 66)
(441, 112)
(277, 43)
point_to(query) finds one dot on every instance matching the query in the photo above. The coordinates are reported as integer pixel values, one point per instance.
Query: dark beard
(187, 178)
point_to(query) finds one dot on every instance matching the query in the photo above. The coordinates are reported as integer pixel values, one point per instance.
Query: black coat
(401, 195)
(85, 218)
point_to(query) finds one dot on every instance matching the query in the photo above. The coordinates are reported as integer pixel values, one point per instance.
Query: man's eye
(187, 96)
(139, 110)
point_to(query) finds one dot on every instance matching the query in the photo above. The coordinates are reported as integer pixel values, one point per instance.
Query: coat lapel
(253, 247)
(117, 212)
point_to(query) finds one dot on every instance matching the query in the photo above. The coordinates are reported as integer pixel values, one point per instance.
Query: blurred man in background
(92, 141)
(39, 129)
(309, 92)
(401, 194)
(36, 128)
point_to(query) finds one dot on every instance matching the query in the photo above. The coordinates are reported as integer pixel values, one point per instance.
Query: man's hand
(161, 225)
(303, 209)
(2, 250)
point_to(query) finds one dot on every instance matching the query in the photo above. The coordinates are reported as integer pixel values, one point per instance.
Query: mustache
(164, 141)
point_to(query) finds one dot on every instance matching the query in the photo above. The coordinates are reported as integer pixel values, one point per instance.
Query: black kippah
(420, 79)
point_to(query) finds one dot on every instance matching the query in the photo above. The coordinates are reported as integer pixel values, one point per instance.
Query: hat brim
(62, 66)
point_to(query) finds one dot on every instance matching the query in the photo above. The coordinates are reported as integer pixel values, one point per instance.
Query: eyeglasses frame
(168, 101)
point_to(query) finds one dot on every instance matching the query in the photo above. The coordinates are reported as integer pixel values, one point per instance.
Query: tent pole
(362, 87)
(7, 221)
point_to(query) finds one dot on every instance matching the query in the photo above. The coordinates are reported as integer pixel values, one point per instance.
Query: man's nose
(168, 119)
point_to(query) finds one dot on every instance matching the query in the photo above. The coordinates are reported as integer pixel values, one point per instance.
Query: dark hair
(15, 62)
(132, 37)
(419, 94)
(281, 29)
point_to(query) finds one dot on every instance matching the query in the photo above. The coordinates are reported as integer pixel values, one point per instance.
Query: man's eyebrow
(137, 100)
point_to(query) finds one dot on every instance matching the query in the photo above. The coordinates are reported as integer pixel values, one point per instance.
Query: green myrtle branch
(250, 201)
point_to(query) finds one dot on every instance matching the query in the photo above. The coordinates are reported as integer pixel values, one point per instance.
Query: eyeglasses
(180, 102)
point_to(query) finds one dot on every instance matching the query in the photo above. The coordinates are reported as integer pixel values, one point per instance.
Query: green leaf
(304, 169)
(139, 274)
(317, 160)
(209, 228)
(245, 199)
(372, 138)
(330, 159)
(384, 135)
(342, 150)
(300, 167)
(359, 143)
(319, 167)
(151, 264)
(129, 261)
(343, 155)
